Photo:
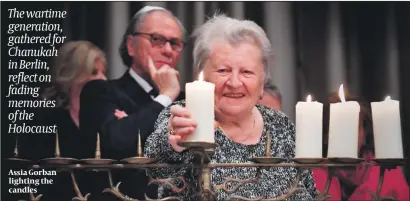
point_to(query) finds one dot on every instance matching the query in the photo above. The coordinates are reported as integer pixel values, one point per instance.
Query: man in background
(119, 110)
(271, 96)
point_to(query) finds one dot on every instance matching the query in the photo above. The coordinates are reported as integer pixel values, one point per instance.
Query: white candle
(309, 117)
(387, 129)
(200, 102)
(343, 128)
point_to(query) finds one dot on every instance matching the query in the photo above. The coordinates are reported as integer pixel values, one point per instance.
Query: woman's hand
(180, 125)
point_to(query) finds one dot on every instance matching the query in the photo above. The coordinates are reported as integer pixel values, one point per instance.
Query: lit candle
(387, 129)
(200, 102)
(309, 117)
(343, 128)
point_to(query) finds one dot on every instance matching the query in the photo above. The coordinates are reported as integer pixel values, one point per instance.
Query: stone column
(117, 21)
(184, 74)
(279, 27)
(335, 62)
(392, 55)
(237, 9)
(156, 3)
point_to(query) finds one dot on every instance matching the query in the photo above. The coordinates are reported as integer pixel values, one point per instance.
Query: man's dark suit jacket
(98, 102)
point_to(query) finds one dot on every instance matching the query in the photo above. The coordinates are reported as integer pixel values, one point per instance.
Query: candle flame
(388, 98)
(201, 76)
(341, 94)
(309, 98)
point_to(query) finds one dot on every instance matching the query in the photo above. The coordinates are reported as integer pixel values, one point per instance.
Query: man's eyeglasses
(158, 40)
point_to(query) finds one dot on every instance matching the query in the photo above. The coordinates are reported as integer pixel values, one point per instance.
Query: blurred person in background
(271, 96)
(154, 35)
(140, 94)
(355, 183)
(77, 63)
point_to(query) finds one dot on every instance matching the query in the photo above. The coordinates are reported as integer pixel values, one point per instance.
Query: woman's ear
(261, 94)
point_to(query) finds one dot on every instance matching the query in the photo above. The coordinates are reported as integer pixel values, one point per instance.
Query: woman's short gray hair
(220, 27)
(135, 25)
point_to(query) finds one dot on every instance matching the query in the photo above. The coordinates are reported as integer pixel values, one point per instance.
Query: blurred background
(317, 45)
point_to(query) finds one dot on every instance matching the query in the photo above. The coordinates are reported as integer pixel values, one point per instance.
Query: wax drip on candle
(341, 94)
(387, 98)
(97, 148)
(139, 145)
(57, 153)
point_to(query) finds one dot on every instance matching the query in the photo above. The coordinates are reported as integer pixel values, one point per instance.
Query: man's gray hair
(221, 28)
(273, 90)
(135, 25)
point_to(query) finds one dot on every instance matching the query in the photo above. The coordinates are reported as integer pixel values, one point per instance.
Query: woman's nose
(234, 80)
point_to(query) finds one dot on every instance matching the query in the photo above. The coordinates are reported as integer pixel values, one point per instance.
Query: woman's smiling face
(237, 72)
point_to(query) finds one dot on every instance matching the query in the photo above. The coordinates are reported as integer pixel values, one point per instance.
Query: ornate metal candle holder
(16, 160)
(97, 160)
(139, 159)
(57, 160)
(268, 158)
(206, 191)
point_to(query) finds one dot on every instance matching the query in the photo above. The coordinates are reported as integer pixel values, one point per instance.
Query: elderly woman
(234, 55)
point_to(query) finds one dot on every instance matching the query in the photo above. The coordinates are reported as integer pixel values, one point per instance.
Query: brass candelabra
(202, 153)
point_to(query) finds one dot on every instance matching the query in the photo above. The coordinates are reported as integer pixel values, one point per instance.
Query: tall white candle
(309, 117)
(387, 129)
(200, 102)
(343, 128)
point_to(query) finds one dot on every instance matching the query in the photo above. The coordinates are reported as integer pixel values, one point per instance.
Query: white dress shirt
(162, 99)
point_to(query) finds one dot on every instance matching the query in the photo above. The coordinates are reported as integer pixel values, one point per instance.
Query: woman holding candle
(354, 184)
(235, 57)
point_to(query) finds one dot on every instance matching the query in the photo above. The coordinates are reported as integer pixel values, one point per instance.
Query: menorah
(202, 153)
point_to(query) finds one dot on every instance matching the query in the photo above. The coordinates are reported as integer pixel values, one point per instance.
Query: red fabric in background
(367, 178)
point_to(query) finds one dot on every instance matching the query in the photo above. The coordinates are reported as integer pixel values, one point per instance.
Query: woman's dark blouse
(73, 144)
(274, 181)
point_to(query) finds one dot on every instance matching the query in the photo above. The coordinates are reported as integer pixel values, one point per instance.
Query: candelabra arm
(169, 182)
(376, 196)
(380, 184)
(324, 194)
(115, 190)
(205, 185)
(173, 198)
(294, 188)
(79, 196)
(381, 180)
(241, 182)
(35, 198)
